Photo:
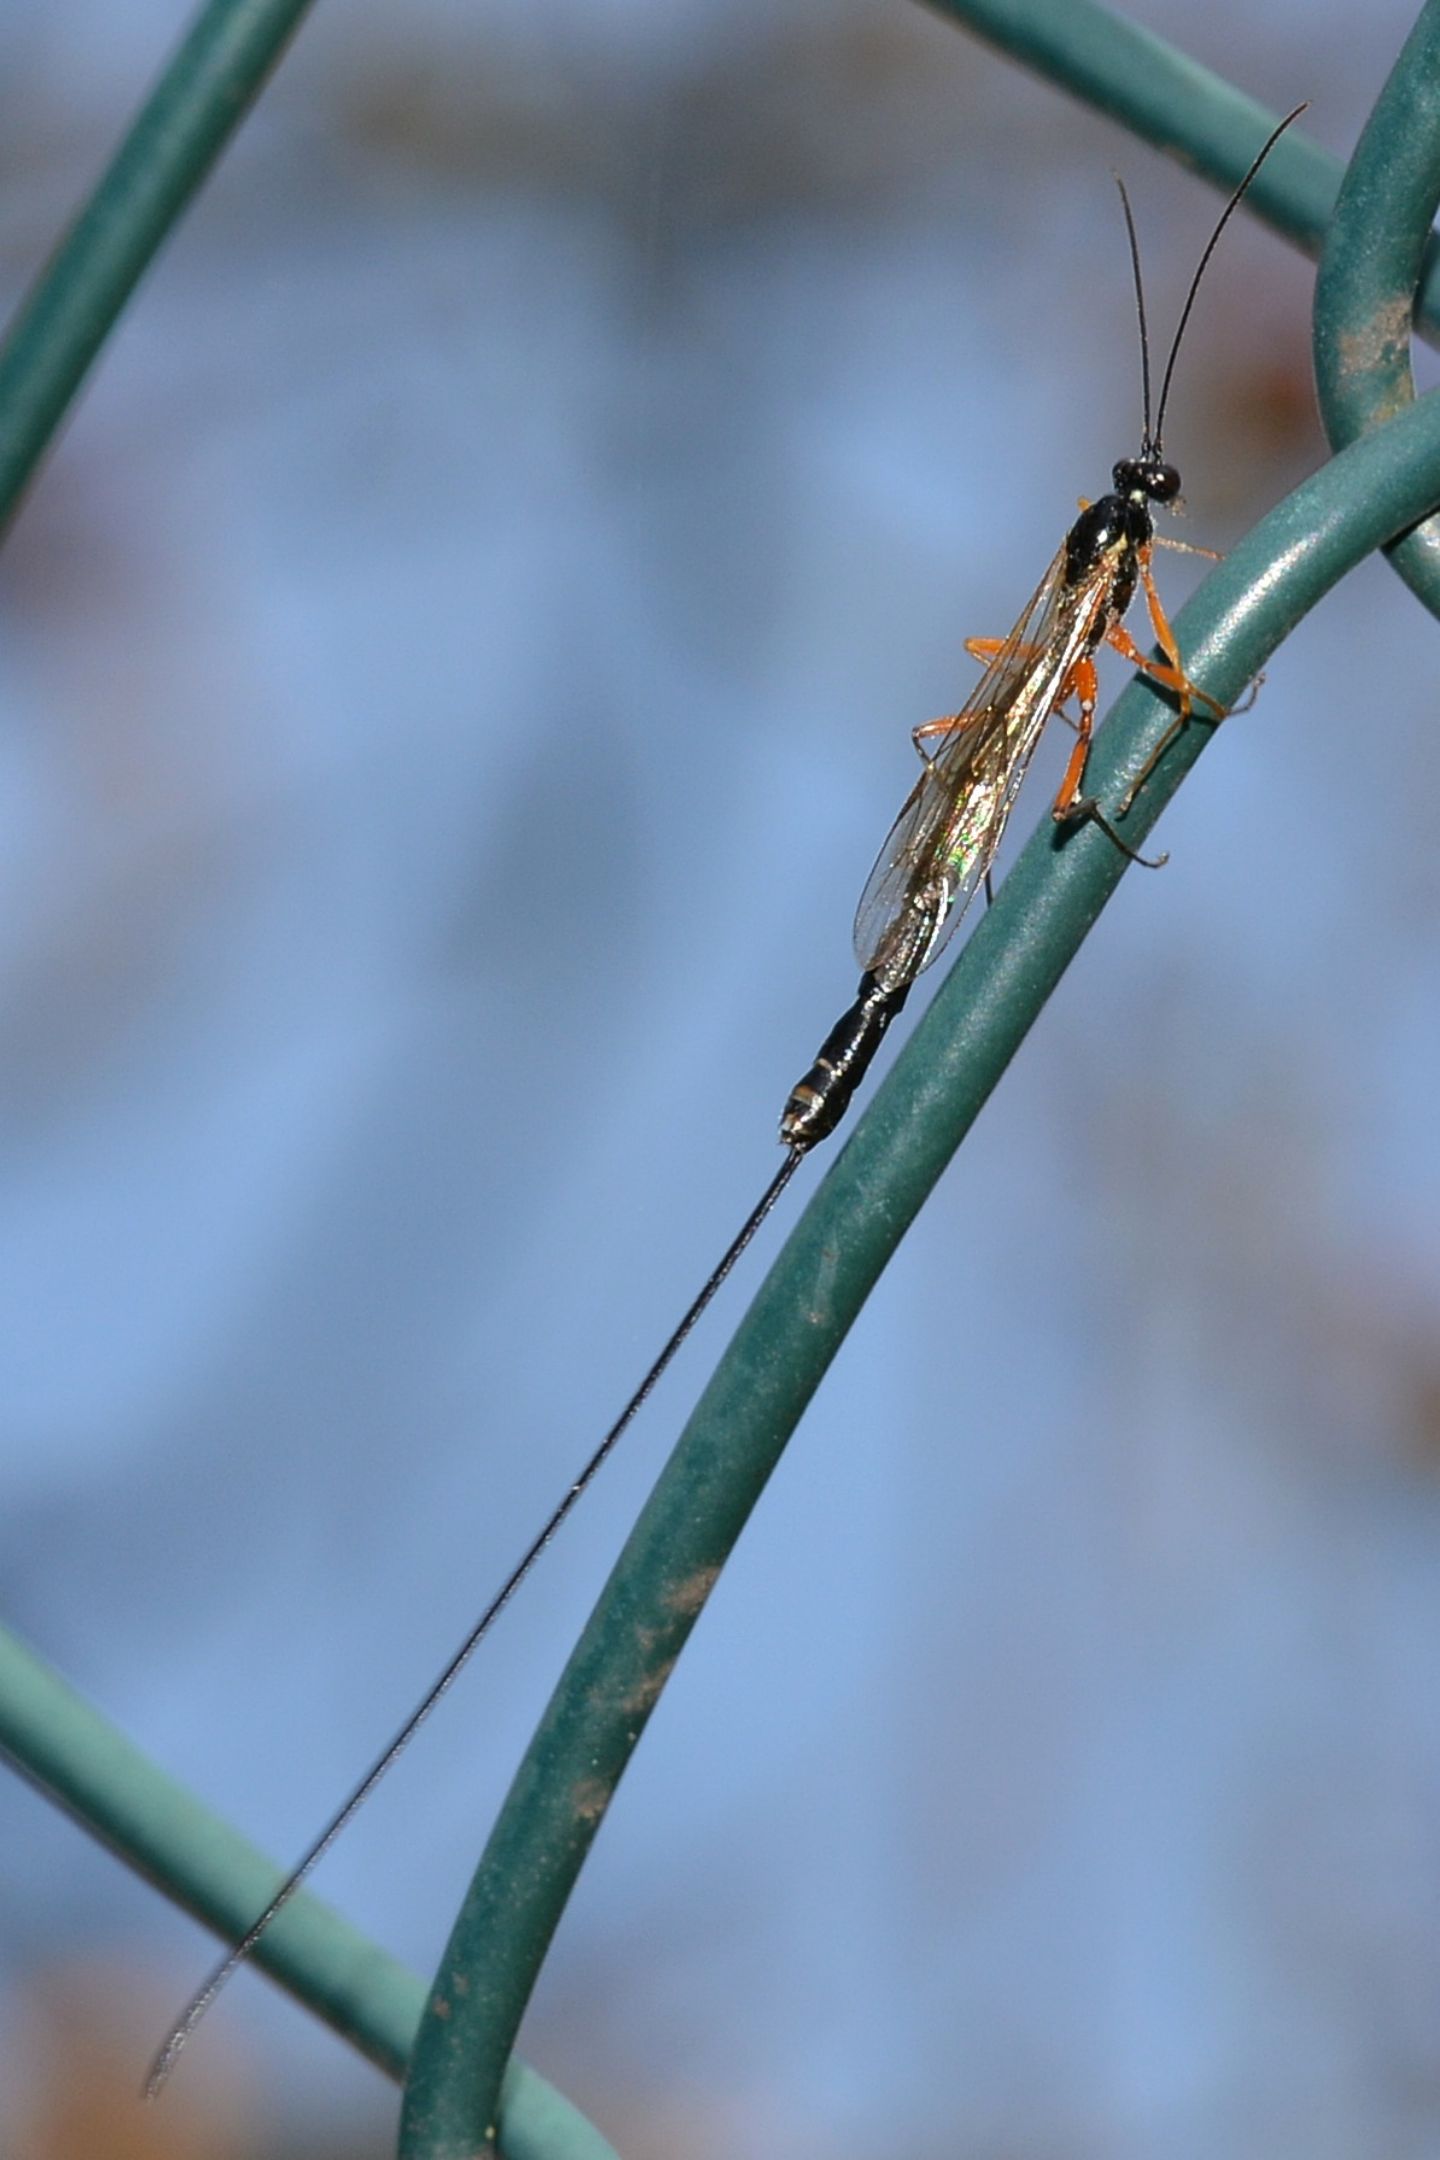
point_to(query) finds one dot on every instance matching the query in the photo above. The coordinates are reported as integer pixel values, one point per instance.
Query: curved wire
(78, 1759)
(1150, 87)
(810, 1297)
(1158, 93)
(1365, 292)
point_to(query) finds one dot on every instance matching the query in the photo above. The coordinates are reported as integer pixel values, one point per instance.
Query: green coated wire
(809, 1299)
(80, 1761)
(1365, 292)
(50, 1734)
(1160, 94)
(196, 106)
(1167, 98)
(900, 1147)
(982, 1012)
(1148, 85)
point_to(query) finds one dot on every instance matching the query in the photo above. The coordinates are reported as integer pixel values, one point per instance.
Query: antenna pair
(1154, 436)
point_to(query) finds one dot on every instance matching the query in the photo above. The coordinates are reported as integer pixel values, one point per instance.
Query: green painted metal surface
(1375, 248)
(466, 2088)
(1376, 490)
(942, 1078)
(1185, 109)
(197, 104)
(63, 1745)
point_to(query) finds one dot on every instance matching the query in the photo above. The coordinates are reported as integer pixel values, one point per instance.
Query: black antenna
(1139, 307)
(1224, 220)
(233, 1959)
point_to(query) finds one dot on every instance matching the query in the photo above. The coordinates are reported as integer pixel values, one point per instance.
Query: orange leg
(1083, 683)
(985, 648)
(1173, 676)
(1168, 645)
(947, 724)
(979, 648)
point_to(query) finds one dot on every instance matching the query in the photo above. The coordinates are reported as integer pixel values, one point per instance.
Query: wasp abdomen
(819, 1101)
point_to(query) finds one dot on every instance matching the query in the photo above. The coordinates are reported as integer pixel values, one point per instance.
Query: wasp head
(1146, 477)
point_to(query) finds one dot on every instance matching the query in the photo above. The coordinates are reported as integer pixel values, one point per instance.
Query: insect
(939, 853)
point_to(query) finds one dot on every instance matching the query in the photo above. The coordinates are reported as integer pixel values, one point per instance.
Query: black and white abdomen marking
(819, 1101)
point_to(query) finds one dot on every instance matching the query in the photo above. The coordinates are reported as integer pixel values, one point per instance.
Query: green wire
(164, 1833)
(52, 1736)
(1365, 292)
(180, 130)
(875, 1185)
(1160, 94)
(815, 1289)
(1138, 79)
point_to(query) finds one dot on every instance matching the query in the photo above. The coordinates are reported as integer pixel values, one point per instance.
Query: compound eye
(1162, 483)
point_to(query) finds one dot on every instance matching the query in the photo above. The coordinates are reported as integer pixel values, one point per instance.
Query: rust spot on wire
(640, 1700)
(1380, 348)
(591, 1798)
(689, 1595)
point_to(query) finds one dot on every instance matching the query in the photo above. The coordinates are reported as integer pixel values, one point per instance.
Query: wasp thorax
(1146, 476)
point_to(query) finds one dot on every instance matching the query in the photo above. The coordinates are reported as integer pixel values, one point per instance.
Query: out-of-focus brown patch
(1250, 402)
(73, 2084)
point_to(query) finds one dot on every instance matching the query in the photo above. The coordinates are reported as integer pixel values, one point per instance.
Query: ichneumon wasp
(939, 853)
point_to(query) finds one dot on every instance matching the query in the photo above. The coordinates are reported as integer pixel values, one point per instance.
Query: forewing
(945, 837)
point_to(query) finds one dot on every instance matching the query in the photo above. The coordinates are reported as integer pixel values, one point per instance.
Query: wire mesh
(467, 2094)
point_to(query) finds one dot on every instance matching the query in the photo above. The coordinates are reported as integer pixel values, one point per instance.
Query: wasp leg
(1189, 691)
(1173, 676)
(1083, 684)
(1070, 804)
(947, 724)
(985, 648)
(979, 648)
(1185, 547)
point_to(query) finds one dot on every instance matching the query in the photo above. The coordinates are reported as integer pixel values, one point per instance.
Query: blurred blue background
(456, 672)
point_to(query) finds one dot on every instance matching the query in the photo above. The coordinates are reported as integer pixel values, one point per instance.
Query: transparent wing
(945, 838)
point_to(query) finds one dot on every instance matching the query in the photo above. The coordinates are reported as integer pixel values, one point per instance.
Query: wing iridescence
(945, 837)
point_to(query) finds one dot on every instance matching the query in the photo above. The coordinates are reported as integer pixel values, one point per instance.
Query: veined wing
(945, 837)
